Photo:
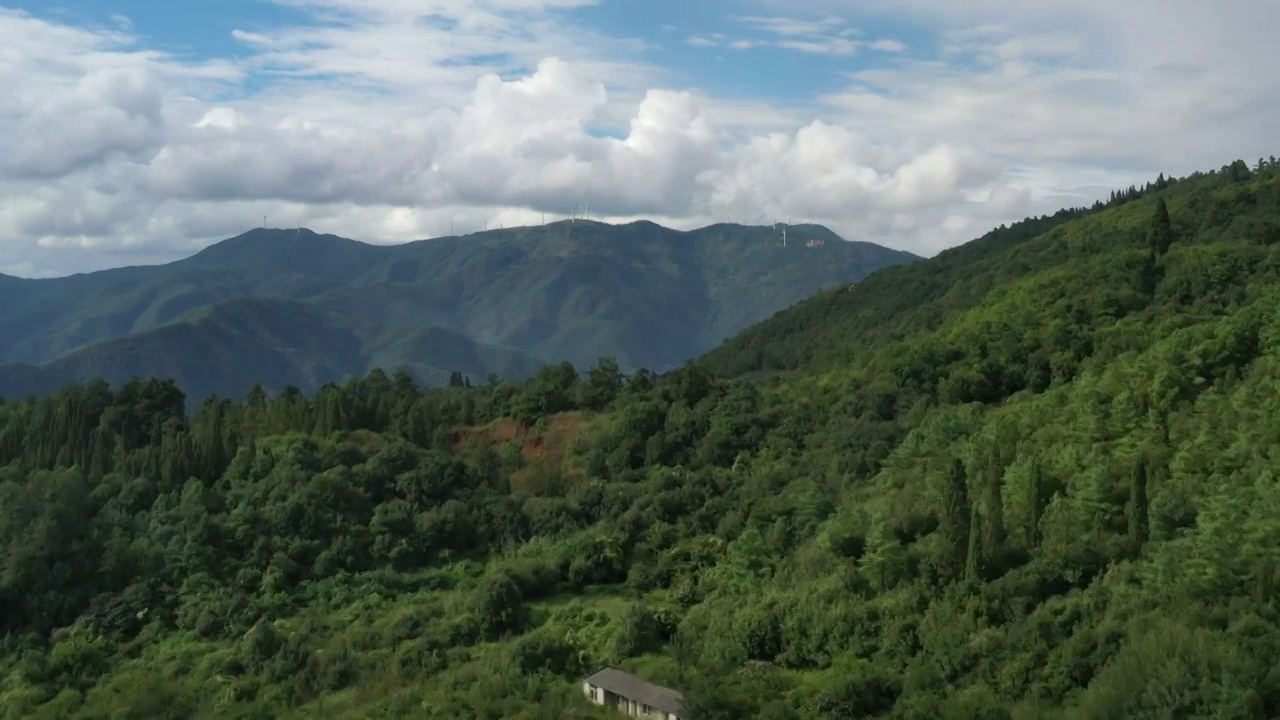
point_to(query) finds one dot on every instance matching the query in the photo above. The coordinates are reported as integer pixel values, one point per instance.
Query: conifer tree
(993, 528)
(1036, 503)
(1138, 505)
(1160, 237)
(974, 554)
(955, 520)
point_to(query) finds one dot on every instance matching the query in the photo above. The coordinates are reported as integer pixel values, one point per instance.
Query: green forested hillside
(643, 294)
(1045, 489)
(227, 347)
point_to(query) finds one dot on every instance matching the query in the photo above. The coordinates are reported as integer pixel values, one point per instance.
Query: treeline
(69, 459)
(143, 425)
(125, 523)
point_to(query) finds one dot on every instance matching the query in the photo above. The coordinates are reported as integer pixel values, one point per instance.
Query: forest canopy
(1032, 477)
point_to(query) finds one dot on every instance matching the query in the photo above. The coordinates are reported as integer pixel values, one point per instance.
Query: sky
(138, 131)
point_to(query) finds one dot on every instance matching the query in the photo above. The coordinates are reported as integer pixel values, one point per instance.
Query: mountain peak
(272, 235)
(275, 244)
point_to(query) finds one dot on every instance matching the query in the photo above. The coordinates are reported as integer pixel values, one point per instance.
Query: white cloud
(889, 45)
(828, 171)
(792, 27)
(825, 46)
(712, 40)
(398, 119)
(828, 35)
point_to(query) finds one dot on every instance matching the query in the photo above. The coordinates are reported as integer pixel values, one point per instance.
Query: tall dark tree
(1160, 236)
(1037, 500)
(993, 527)
(1138, 509)
(974, 555)
(955, 520)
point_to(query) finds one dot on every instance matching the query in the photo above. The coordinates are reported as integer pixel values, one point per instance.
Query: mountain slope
(644, 294)
(50, 317)
(1031, 261)
(1031, 477)
(225, 348)
(1049, 489)
(671, 295)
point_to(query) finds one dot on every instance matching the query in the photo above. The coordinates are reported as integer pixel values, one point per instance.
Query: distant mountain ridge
(293, 307)
(224, 348)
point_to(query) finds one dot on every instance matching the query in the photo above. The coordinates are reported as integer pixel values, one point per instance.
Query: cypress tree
(974, 555)
(993, 535)
(1160, 237)
(955, 520)
(1036, 503)
(1138, 505)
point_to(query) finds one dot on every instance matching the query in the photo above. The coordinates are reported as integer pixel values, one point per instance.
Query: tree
(499, 606)
(1238, 171)
(603, 383)
(993, 527)
(1036, 502)
(1138, 505)
(974, 555)
(955, 518)
(641, 631)
(1160, 237)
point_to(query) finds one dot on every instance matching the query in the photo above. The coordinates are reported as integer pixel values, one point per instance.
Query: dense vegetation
(1032, 477)
(289, 307)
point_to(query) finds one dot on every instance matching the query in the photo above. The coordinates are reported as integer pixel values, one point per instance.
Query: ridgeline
(293, 308)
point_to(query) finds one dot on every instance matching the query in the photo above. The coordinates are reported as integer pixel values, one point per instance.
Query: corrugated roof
(630, 686)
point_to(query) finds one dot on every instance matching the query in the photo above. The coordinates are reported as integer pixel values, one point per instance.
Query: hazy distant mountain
(295, 307)
(225, 348)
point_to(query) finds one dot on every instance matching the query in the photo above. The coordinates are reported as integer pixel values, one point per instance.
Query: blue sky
(201, 28)
(674, 33)
(139, 130)
(762, 71)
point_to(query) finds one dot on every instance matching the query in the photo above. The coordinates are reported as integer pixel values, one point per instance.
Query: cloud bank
(391, 120)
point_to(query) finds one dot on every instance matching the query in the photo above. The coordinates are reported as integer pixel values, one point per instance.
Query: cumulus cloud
(828, 171)
(520, 142)
(390, 120)
(1132, 86)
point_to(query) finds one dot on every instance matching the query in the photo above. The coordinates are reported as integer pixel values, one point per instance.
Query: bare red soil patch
(543, 447)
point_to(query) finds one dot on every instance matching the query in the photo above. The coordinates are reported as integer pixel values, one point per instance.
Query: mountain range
(293, 307)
